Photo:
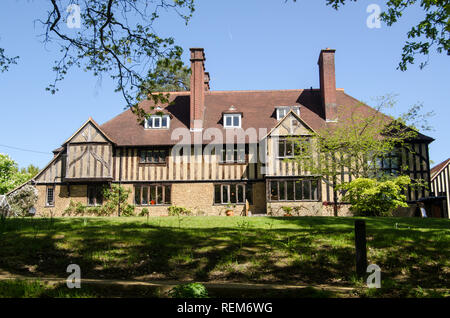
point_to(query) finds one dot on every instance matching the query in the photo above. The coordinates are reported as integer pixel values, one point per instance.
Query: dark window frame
(238, 158)
(97, 190)
(49, 203)
(245, 192)
(152, 194)
(282, 185)
(147, 156)
(385, 164)
(285, 142)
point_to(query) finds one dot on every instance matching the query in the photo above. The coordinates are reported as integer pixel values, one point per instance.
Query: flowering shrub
(22, 200)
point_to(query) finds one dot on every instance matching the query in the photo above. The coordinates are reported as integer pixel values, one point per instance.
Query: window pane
(152, 195)
(306, 190)
(144, 195)
(225, 193)
(274, 190)
(157, 122)
(282, 190)
(164, 122)
(240, 193)
(236, 121)
(249, 193)
(298, 190)
(149, 122)
(99, 196)
(142, 155)
(162, 156)
(290, 190)
(137, 195)
(314, 189)
(167, 198)
(91, 196)
(159, 195)
(228, 121)
(233, 193)
(222, 156)
(217, 194)
(386, 163)
(149, 156)
(230, 155)
(241, 153)
(50, 195)
(394, 163)
(289, 148)
(281, 148)
(155, 157)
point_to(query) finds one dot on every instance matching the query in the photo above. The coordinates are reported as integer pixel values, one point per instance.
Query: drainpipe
(120, 181)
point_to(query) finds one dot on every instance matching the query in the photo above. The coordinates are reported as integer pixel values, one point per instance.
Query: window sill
(292, 201)
(232, 163)
(154, 163)
(225, 204)
(151, 205)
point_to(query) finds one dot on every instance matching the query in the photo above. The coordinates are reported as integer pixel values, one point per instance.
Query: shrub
(128, 210)
(178, 210)
(371, 197)
(287, 210)
(23, 199)
(75, 209)
(144, 212)
(191, 290)
(114, 196)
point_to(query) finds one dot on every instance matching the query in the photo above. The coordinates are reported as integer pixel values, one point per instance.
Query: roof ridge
(439, 168)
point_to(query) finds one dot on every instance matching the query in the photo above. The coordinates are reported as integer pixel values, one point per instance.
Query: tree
(115, 38)
(361, 139)
(10, 176)
(371, 197)
(23, 199)
(432, 31)
(32, 170)
(170, 75)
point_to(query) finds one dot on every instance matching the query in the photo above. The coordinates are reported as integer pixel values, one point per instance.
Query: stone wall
(78, 193)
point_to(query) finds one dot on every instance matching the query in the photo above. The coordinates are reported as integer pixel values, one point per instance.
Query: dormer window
(283, 110)
(232, 120)
(157, 122)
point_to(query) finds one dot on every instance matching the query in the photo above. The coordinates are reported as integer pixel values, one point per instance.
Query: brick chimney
(198, 87)
(328, 84)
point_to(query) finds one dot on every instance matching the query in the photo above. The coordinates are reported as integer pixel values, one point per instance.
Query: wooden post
(360, 245)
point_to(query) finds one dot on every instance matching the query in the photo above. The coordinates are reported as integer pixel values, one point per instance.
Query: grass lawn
(413, 253)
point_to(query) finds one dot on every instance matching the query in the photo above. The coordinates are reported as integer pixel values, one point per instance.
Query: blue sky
(251, 44)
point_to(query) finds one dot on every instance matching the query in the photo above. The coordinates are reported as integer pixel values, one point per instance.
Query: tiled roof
(437, 168)
(257, 107)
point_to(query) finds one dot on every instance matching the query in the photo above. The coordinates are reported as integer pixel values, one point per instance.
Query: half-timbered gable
(440, 189)
(89, 154)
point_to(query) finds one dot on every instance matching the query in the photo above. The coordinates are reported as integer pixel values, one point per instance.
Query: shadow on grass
(304, 250)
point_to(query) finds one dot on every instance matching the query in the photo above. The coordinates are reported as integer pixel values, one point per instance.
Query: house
(208, 150)
(440, 181)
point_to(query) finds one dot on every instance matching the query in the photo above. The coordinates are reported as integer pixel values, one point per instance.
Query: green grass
(413, 253)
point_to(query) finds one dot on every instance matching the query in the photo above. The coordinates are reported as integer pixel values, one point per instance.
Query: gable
(88, 133)
(291, 124)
